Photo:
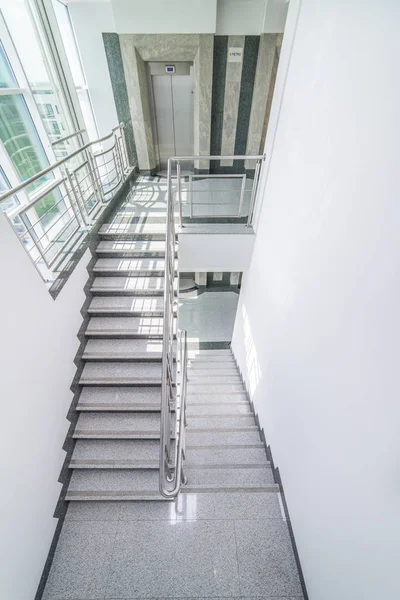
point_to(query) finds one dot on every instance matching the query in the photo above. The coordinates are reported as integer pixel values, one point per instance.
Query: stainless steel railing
(53, 210)
(174, 361)
(175, 346)
(241, 197)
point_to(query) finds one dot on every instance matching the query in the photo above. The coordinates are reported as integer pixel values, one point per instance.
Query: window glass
(22, 28)
(20, 139)
(7, 79)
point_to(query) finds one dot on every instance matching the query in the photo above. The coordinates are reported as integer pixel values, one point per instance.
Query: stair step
(120, 373)
(219, 455)
(196, 438)
(217, 399)
(204, 388)
(119, 398)
(130, 266)
(210, 354)
(221, 422)
(240, 477)
(113, 484)
(200, 368)
(214, 378)
(115, 454)
(129, 306)
(129, 286)
(145, 327)
(123, 426)
(133, 231)
(208, 410)
(127, 249)
(223, 360)
(142, 349)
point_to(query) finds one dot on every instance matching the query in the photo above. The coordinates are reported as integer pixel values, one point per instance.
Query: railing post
(75, 197)
(253, 194)
(178, 175)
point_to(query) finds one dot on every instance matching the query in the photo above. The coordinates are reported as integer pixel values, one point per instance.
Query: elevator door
(173, 115)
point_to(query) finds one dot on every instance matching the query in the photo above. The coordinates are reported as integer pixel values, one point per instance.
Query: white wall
(251, 17)
(318, 326)
(275, 16)
(240, 17)
(159, 16)
(90, 19)
(217, 252)
(38, 345)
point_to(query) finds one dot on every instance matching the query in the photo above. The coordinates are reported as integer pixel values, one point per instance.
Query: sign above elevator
(170, 69)
(235, 55)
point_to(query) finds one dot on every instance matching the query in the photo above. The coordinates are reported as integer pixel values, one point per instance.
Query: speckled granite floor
(226, 535)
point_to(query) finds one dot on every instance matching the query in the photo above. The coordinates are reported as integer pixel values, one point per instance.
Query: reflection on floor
(208, 317)
(211, 197)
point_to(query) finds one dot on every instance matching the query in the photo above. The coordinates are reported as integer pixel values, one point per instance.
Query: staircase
(116, 455)
(224, 452)
(226, 534)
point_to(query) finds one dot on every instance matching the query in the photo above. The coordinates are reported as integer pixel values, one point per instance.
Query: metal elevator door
(173, 115)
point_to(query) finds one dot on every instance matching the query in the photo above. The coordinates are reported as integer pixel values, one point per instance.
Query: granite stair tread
(218, 410)
(199, 437)
(130, 266)
(131, 249)
(229, 476)
(114, 425)
(120, 398)
(113, 484)
(220, 455)
(220, 422)
(135, 326)
(119, 373)
(127, 306)
(115, 454)
(123, 349)
(139, 286)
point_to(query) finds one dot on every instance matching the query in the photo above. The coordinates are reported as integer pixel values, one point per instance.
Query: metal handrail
(173, 396)
(68, 137)
(80, 189)
(179, 159)
(57, 164)
(173, 392)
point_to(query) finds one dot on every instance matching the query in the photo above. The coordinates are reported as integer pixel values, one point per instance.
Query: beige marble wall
(203, 63)
(136, 50)
(231, 100)
(263, 80)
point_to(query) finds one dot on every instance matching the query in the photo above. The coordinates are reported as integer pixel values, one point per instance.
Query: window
(74, 60)
(17, 130)
(42, 82)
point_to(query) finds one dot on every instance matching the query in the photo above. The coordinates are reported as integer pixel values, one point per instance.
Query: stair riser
(124, 313)
(125, 292)
(117, 408)
(113, 465)
(122, 381)
(85, 435)
(122, 358)
(156, 237)
(130, 273)
(122, 335)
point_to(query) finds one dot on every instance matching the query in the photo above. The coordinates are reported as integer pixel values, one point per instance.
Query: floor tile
(205, 559)
(250, 505)
(93, 511)
(266, 560)
(81, 562)
(142, 560)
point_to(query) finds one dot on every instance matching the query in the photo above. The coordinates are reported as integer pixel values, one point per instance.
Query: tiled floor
(209, 197)
(200, 546)
(208, 317)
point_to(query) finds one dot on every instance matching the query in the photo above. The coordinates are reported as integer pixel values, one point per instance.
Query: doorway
(171, 90)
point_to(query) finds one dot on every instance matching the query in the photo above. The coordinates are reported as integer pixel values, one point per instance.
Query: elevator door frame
(159, 69)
